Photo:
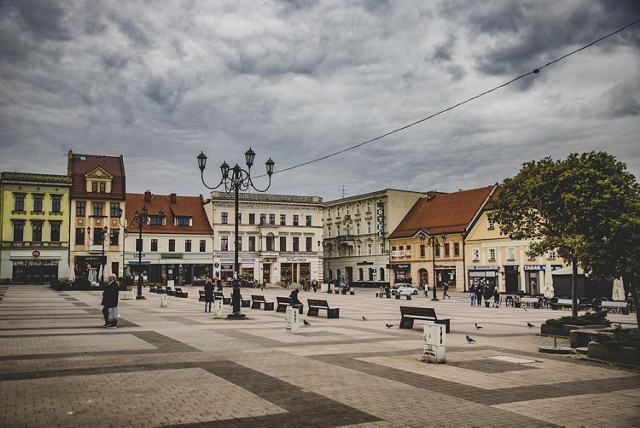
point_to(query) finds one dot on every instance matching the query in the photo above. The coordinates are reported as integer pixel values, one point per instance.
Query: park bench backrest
(284, 300)
(319, 303)
(257, 298)
(418, 311)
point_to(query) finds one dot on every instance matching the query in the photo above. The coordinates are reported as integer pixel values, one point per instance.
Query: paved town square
(178, 366)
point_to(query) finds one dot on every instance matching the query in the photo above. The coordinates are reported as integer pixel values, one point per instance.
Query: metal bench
(617, 305)
(316, 305)
(284, 302)
(257, 301)
(218, 295)
(179, 293)
(411, 313)
(536, 302)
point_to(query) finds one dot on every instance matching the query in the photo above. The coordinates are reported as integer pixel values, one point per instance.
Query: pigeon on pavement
(389, 325)
(478, 326)
(470, 339)
(306, 322)
(530, 325)
(364, 318)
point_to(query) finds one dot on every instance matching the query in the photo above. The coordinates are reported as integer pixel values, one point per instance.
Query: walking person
(472, 294)
(496, 297)
(208, 295)
(479, 290)
(446, 288)
(314, 285)
(110, 297)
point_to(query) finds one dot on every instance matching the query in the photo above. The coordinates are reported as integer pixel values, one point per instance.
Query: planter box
(622, 355)
(565, 329)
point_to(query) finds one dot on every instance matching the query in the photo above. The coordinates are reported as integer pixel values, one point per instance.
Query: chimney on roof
(172, 198)
(147, 196)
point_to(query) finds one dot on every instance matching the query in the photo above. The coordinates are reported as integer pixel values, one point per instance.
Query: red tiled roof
(78, 165)
(448, 212)
(184, 206)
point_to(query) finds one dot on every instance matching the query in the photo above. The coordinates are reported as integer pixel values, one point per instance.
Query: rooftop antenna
(343, 190)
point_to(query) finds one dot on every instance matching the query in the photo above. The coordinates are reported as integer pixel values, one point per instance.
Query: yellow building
(495, 259)
(34, 222)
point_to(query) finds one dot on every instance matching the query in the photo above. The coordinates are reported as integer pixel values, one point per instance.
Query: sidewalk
(177, 366)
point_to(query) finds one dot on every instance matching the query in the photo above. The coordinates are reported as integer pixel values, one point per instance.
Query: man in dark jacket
(110, 300)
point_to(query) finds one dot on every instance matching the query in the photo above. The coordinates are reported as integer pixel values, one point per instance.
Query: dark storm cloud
(42, 19)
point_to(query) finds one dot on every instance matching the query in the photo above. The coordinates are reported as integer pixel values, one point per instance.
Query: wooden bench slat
(411, 313)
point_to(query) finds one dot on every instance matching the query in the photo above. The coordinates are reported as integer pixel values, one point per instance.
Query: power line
(417, 122)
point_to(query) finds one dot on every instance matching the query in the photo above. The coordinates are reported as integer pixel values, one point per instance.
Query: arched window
(271, 242)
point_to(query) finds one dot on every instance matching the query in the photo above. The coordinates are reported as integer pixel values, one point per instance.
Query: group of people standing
(489, 292)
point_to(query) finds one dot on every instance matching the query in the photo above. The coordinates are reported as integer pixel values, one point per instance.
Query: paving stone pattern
(179, 366)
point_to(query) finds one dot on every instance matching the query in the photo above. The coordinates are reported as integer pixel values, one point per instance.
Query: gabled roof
(173, 206)
(448, 212)
(79, 166)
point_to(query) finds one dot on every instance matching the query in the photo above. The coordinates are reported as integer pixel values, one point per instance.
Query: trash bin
(217, 309)
(163, 300)
(435, 342)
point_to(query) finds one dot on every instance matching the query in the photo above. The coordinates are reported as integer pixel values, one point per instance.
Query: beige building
(356, 230)
(492, 258)
(279, 236)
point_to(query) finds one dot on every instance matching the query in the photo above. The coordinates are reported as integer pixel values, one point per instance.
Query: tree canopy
(586, 207)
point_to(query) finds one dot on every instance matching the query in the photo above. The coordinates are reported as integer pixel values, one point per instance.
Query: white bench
(536, 302)
(619, 306)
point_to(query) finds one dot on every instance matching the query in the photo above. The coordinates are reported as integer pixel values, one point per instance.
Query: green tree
(586, 207)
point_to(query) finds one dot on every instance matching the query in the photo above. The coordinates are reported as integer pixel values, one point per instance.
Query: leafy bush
(620, 337)
(590, 318)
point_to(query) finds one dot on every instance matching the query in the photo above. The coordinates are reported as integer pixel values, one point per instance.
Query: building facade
(175, 244)
(97, 203)
(279, 236)
(495, 259)
(34, 227)
(428, 246)
(356, 229)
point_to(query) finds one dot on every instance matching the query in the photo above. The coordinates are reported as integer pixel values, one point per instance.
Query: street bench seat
(257, 301)
(411, 313)
(219, 295)
(284, 302)
(179, 293)
(316, 305)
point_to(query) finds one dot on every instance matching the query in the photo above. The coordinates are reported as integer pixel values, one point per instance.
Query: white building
(279, 236)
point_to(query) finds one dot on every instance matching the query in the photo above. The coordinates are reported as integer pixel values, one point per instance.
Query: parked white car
(403, 288)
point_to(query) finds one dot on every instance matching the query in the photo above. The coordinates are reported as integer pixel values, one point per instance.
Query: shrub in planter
(628, 337)
(561, 326)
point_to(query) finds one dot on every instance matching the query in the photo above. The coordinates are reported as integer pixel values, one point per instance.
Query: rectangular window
(114, 236)
(252, 243)
(224, 218)
(492, 254)
(271, 242)
(456, 249)
(187, 245)
(18, 202)
(172, 245)
(183, 221)
(308, 243)
(423, 251)
(252, 219)
(103, 187)
(18, 231)
(491, 223)
(283, 219)
(36, 231)
(296, 220)
(155, 220)
(272, 219)
(296, 244)
(283, 243)
(368, 227)
(308, 221)
(224, 243)
(97, 209)
(370, 249)
(263, 219)
(94, 187)
(37, 203)
(203, 246)
(114, 209)
(140, 245)
(79, 235)
(154, 244)
(81, 208)
(239, 243)
(511, 254)
(447, 251)
(56, 204)
(437, 248)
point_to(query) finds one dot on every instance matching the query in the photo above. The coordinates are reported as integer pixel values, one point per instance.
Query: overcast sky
(160, 81)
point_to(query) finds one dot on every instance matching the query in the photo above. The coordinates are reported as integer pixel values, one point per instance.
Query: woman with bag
(110, 297)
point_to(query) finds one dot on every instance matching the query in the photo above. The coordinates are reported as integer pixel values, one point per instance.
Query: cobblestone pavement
(178, 366)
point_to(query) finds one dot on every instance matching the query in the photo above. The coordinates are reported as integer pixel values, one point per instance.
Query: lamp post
(327, 250)
(433, 243)
(234, 180)
(100, 232)
(140, 220)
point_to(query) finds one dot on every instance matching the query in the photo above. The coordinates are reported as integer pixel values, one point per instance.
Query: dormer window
(183, 221)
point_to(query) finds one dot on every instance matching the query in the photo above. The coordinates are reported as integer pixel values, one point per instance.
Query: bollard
(217, 309)
(435, 343)
(163, 300)
(291, 319)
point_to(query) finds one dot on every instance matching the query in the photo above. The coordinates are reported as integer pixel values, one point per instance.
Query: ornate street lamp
(140, 220)
(234, 180)
(100, 233)
(433, 243)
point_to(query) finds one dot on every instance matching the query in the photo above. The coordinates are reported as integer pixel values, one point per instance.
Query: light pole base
(236, 316)
(141, 298)
(435, 299)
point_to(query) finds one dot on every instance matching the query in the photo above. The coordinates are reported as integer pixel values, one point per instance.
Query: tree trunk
(636, 299)
(574, 287)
